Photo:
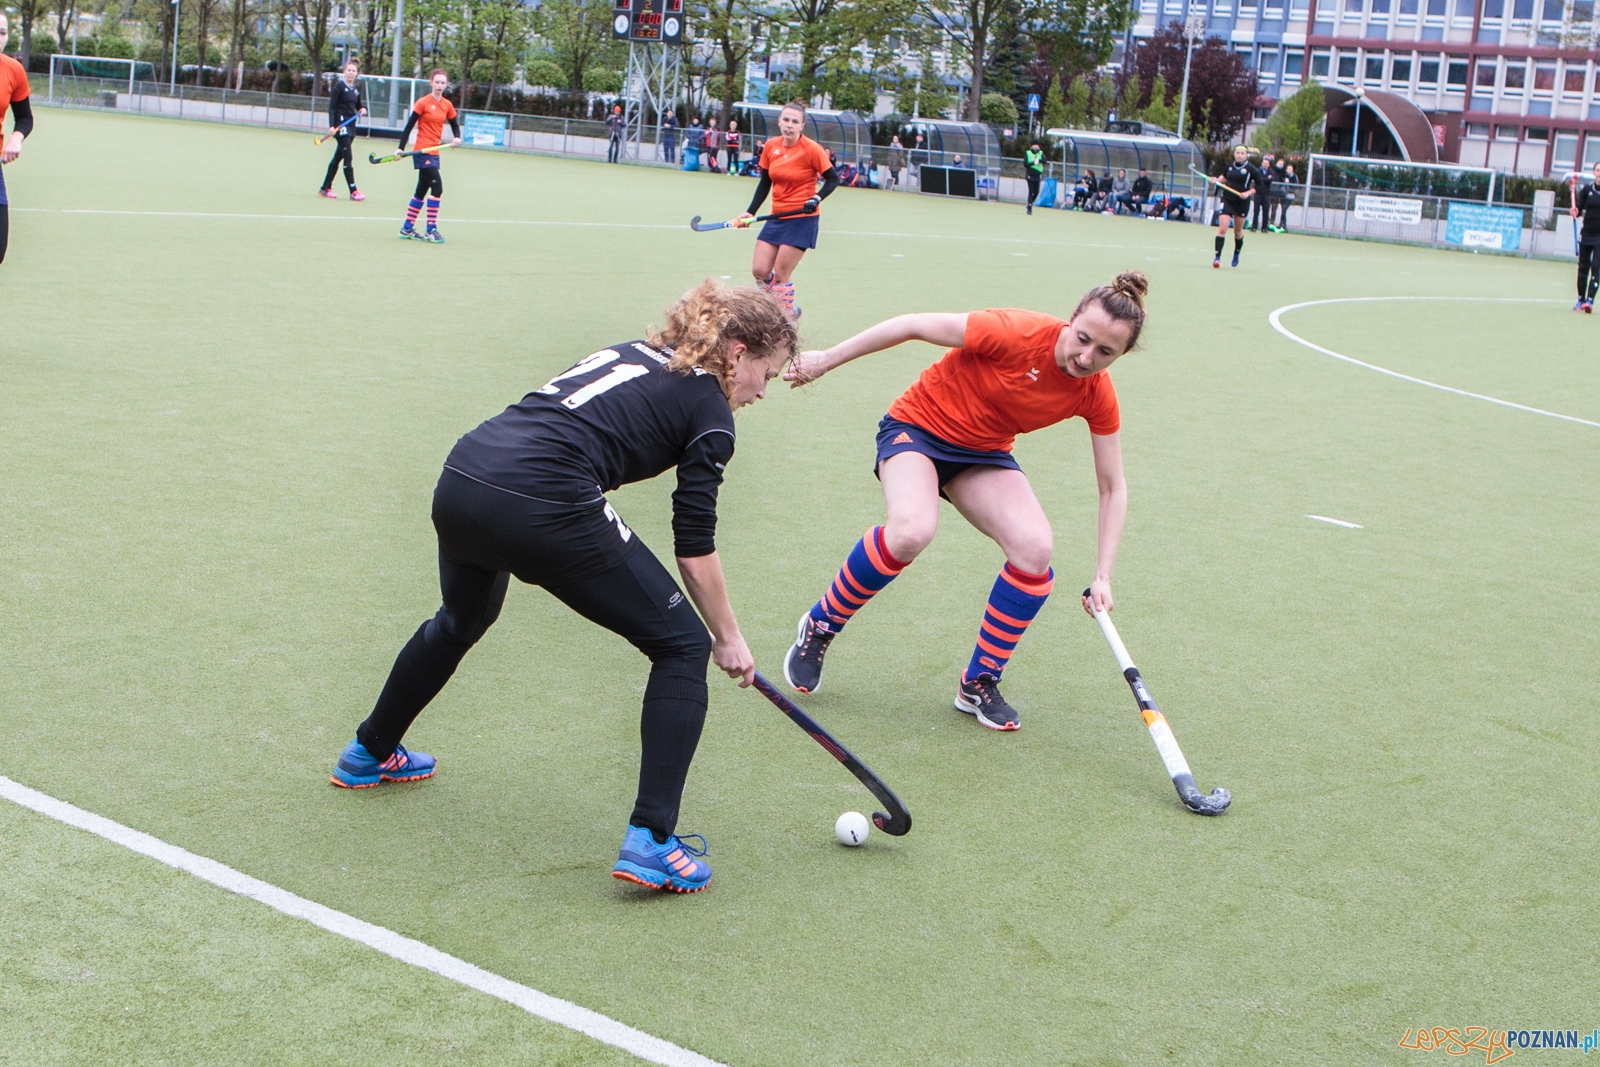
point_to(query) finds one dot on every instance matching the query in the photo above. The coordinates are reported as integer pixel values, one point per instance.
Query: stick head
(898, 824)
(1215, 804)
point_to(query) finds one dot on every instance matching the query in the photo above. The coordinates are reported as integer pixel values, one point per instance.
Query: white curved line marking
(1277, 324)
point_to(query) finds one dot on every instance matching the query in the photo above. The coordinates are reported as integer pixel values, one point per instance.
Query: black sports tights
(5, 230)
(341, 153)
(492, 534)
(1588, 269)
(428, 180)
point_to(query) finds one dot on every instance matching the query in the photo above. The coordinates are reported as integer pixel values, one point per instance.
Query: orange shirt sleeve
(1102, 412)
(819, 158)
(449, 111)
(996, 332)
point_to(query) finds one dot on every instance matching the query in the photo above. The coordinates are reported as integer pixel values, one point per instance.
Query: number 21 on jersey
(581, 396)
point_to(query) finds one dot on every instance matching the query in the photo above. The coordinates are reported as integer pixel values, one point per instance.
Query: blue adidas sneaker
(675, 865)
(357, 769)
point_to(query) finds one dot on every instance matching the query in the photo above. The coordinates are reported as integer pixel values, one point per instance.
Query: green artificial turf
(220, 435)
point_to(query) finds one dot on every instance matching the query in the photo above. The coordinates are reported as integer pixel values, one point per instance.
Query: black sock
(1238, 243)
(1219, 246)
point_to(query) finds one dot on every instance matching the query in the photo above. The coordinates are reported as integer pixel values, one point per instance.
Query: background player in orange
(950, 434)
(13, 97)
(791, 166)
(428, 117)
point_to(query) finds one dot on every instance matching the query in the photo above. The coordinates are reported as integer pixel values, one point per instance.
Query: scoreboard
(647, 20)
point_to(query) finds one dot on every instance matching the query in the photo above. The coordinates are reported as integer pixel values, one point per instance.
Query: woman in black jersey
(523, 495)
(1234, 190)
(344, 107)
(1586, 203)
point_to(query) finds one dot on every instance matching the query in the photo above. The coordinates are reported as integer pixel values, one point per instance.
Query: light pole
(177, 10)
(1193, 29)
(1355, 135)
(394, 68)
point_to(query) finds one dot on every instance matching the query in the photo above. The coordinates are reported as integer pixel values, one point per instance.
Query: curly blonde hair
(709, 316)
(1123, 300)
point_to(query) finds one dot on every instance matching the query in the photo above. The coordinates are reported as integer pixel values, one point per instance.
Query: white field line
(404, 949)
(614, 226)
(1276, 318)
(1337, 522)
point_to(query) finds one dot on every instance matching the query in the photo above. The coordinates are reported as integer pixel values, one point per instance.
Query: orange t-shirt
(13, 84)
(1003, 381)
(431, 116)
(794, 172)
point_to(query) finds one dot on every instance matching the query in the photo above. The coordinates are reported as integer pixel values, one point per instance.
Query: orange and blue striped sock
(411, 213)
(784, 291)
(433, 213)
(867, 569)
(1015, 599)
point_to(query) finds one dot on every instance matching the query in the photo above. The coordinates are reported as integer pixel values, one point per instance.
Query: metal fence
(1435, 221)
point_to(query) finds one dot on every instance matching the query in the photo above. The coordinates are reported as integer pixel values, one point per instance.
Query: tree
(27, 12)
(1130, 98)
(731, 28)
(1079, 35)
(1222, 87)
(970, 24)
(544, 73)
(1161, 111)
(203, 10)
(1079, 103)
(1295, 127)
(505, 30)
(311, 22)
(577, 31)
(997, 109)
(1011, 55)
(922, 96)
(1054, 114)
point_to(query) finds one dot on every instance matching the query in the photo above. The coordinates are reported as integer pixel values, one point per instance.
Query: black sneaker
(802, 667)
(981, 697)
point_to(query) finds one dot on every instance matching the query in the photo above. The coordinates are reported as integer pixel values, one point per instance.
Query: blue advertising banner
(1481, 226)
(483, 129)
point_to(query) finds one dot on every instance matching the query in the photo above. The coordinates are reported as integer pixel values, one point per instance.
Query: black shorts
(895, 437)
(1236, 206)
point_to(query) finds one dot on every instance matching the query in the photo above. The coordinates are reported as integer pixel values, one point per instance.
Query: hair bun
(1132, 284)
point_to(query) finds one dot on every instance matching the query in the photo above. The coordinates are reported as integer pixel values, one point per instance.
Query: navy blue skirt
(797, 233)
(3, 201)
(949, 460)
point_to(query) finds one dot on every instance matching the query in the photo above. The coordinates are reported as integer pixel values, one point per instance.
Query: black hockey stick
(695, 225)
(1160, 732)
(898, 821)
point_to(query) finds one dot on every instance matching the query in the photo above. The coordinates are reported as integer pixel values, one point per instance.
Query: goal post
(1448, 181)
(68, 73)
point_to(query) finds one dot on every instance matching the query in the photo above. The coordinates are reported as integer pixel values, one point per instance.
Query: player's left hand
(806, 367)
(363, 111)
(811, 205)
(1098, 596)
(732, 656)
(455, 142)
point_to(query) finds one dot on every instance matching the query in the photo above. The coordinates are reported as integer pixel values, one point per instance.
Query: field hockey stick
(373, 157)
(898, 821)
(1160, 732)
(336, 130)
(694, 223)
(1218, 181)
(1572, 198)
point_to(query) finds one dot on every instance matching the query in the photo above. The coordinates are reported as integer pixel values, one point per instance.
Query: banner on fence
(1400, 209)
(1480, 226)
(483, 129)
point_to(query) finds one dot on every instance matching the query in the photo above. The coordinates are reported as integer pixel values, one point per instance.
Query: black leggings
(428, 180)
(1033, 188)
(341, 152)
(5, 230)
(579, 554)
(1588, 268)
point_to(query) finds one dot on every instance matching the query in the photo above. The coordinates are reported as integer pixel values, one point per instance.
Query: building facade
(1508, 84)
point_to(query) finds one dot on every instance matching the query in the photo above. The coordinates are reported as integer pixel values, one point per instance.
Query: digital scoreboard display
(648, 20)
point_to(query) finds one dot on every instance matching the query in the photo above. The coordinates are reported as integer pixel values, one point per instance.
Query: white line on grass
(404, 949)
(1277, 324)
(1337, 522)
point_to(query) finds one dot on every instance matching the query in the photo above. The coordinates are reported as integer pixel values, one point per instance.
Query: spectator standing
(896, 161)
(919, 156)
(693, 142)
(713, 144)
(617, 126)
(732, 142)
(1140, 192)
(1290, 180)
(1276, 206)
(669, 137)
(1033, 170)
(1262, 211)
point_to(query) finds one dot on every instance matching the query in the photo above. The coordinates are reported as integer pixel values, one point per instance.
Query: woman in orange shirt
(950, 435)
(791, 166)
(13, 97)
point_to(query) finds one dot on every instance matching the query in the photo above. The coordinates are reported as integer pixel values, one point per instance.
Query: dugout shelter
(845, 133)
(1165, 156)
(974, 142)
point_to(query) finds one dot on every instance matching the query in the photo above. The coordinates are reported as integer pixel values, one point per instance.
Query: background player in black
(523, 495)
(1586, 203)
(1262, 217)
(344, 105)
(1234, 191)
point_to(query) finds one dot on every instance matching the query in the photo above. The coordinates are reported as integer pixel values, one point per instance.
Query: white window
(1516, 77)
(1505, 132)
(1319, 64)
(1478, 130)
(1428, 72)
(1400, 75)
(1565, 156)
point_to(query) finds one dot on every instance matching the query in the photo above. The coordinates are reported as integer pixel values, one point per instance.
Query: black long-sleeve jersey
(1241, 177)
(618, 416)
(1589, 211)
(343, 101)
